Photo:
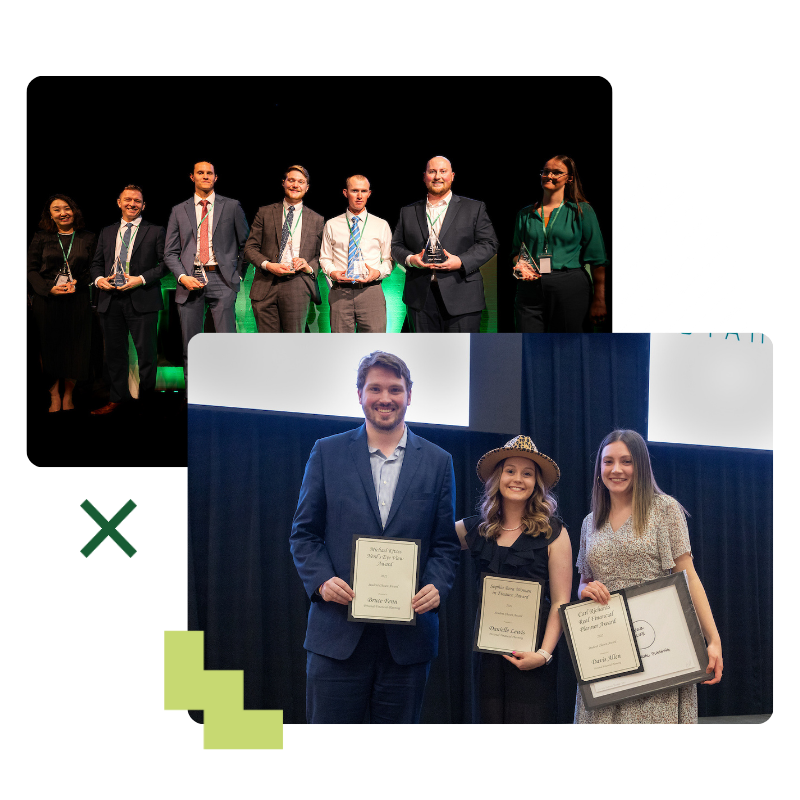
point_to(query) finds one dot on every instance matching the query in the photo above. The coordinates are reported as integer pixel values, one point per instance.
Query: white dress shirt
(376, 243)
(386, 474)
(294, 234)
(198, 211)
(118, 245)
(435, 212)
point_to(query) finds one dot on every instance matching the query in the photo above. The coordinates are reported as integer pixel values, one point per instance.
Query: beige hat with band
(523, 447)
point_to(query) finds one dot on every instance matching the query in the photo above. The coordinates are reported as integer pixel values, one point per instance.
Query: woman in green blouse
(563, 225)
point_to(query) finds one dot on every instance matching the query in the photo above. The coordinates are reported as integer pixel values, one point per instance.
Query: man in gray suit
(284, 245)
(203, 249)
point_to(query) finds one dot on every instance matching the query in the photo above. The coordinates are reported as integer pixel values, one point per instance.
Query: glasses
(555, 173)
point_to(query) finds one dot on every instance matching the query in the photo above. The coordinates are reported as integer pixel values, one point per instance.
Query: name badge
(545, 262)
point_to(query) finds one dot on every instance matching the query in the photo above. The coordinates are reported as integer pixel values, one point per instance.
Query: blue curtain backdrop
(245, 471)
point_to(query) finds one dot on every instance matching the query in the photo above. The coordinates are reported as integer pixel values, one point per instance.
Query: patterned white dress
(620, 559)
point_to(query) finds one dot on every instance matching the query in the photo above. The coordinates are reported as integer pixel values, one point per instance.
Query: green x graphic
(108, 528)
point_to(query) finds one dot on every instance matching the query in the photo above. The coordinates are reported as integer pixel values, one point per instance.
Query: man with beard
(448, 296)
(384, 481)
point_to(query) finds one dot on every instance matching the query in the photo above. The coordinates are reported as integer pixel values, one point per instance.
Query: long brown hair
(645, 487)
(573, 191)
(46, 222)
(541, 505)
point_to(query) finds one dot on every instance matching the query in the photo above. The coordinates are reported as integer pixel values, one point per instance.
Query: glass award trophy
(287, 257)
(525, 260)
(434, 252)
(64, 274)
(117, 277)
(199, 273)
(357, 268)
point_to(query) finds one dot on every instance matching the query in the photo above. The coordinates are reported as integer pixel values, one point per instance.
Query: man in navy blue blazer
(380, 480)
(133, 306)
(204, 250)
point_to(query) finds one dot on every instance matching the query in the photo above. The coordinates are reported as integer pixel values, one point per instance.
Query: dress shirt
(118, 245)
(295, 233)
(376, 243)
(435, 212)
(386, 473)
(198, 211)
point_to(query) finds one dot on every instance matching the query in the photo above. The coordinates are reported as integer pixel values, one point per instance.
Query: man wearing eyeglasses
(284, 245)
(444, 297)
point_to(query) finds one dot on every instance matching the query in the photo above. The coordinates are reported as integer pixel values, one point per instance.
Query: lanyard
(553, 218)
(134, 231)
(361, 232)
(208, 211)
(296, 222)
(66, 255)
(432, 224)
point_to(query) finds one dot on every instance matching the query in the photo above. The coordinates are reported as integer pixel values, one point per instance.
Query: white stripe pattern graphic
(665, 273)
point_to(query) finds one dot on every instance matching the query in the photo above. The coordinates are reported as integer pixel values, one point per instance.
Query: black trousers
(434, 318)
(511, 695)
(120, 318)
(556, 303)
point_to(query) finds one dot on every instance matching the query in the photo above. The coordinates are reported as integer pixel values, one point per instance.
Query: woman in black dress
(517, 535)
(59, 259)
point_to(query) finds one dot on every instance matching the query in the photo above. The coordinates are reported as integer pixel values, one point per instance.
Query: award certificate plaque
(600, 638)
(670, 641)
(508, 617)
(385, 573)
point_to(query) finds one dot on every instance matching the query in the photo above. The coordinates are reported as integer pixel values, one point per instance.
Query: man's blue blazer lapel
(452, 210)
(411, 461)
(219, 204)
(141, 235)
(188, 207)
(359, 450)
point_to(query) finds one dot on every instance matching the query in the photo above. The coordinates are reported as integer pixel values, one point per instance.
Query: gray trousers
(285, 306)
(217, 296)
(357, 307)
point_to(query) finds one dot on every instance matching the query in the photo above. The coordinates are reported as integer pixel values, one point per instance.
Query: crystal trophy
(199, 273)
(117, 277)
(525, 260)
(357, 268)
(64, 274)
(434, 252)
(287, 257)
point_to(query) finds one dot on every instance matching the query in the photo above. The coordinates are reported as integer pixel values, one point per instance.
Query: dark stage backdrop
(245, 471)
(88, 137)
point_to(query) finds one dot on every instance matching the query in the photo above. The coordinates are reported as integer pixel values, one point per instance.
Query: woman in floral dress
(634, 534)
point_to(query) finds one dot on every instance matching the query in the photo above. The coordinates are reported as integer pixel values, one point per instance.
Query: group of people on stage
(383, 480)
(208, 246)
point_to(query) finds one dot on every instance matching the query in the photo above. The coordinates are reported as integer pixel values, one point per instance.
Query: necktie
(286, 232)
(202, 246)
(352, 249)
(123, 251)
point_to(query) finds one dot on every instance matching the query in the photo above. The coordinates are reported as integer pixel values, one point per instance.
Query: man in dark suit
(205, 238)
(381, 480)
(447, 296)
(284, 246)
(133, 306)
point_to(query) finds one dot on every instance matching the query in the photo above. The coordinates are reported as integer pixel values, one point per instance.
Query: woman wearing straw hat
(517, 535)
(633, 534)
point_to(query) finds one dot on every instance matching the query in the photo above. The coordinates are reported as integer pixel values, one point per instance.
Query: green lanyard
(297, 221)
(361, 232)
(553, 218)
(66, 255)
(437, 218)
(208, 211)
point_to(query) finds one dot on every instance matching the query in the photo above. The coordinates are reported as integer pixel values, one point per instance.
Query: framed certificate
(670, 641)
(508, 616)
(600, 638)
(385, 575)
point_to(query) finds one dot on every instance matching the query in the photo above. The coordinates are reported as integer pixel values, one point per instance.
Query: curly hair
(46, 222)
(540, 506)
